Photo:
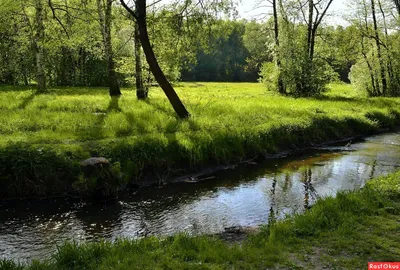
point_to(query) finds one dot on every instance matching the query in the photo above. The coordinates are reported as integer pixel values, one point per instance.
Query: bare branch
(57, 19)
(318, 22)
(130, 11)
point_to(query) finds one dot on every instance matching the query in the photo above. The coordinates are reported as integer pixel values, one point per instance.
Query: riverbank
(344, 232)
(44, 137)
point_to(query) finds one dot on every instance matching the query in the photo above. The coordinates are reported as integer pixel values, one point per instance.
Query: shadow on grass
(337, 98)
(162, 109)
(27, 100)
(134, 121)
(377, 101)
(113, 106)
(16, 88)
(96, 131)
(83, 91)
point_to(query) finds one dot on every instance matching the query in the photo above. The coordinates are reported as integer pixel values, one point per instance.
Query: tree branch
(130, 11)
(323, 13)
(57, 19)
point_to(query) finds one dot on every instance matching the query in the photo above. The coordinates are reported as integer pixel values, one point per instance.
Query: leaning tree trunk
(379, 52)
(141, 90)
(105, 22)
(153, 64)
(39, 42)
(140, 17)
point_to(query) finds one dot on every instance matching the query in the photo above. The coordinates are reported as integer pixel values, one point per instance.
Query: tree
(39, 46)
(140, 15)
(227, 55)
(378, 48)
(255, 39)
(104, 8)
(141, 90)
(17, 53)
(380, 51)
(397, 4)
(316, 12)
(281, 86)
(298, 72)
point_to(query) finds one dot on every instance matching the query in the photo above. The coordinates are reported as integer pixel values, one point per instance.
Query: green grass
(43, 136)
(344, 232)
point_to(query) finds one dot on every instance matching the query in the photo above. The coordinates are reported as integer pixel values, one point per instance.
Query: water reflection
(249, 195)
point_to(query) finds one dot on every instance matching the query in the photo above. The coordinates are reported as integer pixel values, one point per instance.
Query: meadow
(44, 136)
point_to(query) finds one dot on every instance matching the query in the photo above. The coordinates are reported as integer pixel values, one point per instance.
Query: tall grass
(229, 123)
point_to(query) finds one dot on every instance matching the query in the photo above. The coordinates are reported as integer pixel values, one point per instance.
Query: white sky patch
(248, 10)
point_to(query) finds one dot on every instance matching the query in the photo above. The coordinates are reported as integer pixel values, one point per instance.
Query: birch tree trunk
(105, 12)
(310, 27)
(379, 51)
(39, 43)
(281, 86)
(141, 91)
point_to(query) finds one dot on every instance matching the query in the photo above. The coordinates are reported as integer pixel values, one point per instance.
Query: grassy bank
(44, 136)
(344, 232)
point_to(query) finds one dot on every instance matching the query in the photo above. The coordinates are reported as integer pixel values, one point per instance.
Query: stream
(249, 195)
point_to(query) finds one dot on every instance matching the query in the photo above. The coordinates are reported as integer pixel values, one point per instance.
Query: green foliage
(255, 38)
(269, 74)
(16, 48)
(224, 57)
(301, 75)
(73, 44)
(377, 68)
(45, 136)
(339, 48)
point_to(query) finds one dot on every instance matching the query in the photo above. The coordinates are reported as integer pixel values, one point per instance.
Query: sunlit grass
(230, 122)
(77, 115)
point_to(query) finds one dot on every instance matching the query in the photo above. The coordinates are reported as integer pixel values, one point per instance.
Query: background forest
(77, 43)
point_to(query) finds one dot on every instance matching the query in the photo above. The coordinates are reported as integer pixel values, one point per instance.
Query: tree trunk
(141, 90)
(153, 64)
(281, 86)
(39, 42)
(397, 4)
(104, 10)
(312, 43)
(375, 83)
(371, 71)
(388, 49)
(378, 48)
(310, 26)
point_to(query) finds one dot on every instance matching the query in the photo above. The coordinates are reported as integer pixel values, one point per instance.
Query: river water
(249, 195)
